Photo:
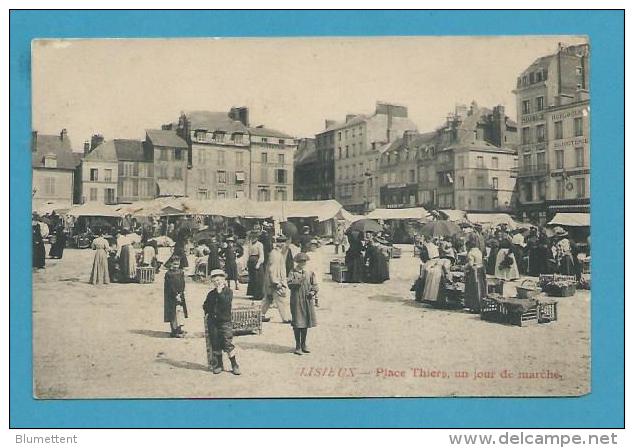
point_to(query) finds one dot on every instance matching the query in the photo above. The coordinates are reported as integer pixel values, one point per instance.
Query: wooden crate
(547, 312)
(494, 311)
(145, 274)
(495, 286)
(544, 279)
(340, 273)
(335, 263)
(246, 319)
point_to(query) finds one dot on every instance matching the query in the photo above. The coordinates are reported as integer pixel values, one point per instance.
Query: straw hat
(217, 273)
(301, 257)
(559, 231)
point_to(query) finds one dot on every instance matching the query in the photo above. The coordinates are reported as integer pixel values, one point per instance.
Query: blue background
(604, 407)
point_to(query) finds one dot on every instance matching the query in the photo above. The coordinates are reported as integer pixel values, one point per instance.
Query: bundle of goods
(585, 281)
(495, 286)
(163, 241)
(512, 311)
(395, 252)
(527, 289)
(545, 279)
(547, 310)
(454, 295)
(561, 288)
(246, 319)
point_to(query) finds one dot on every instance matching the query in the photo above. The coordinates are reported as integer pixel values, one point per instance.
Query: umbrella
(440, 228)
(365, 225)
(289, 229)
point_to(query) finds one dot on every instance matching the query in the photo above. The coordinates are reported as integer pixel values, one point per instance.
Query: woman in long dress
(434, 273)
(475, 278)
(494, 247)
(100, 274)
(505, 263)
(354, 258)
(304, 289)
(127, 258)
(39, 252)
(174, 297)
(57, 249)
(231, 265)
(255, 261)
(378, 270)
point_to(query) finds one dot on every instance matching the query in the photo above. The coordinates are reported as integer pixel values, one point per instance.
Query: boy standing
(219, 327)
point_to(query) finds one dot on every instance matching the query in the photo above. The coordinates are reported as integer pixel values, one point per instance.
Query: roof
(571, 220)
(267, 132)
(55, 145)
(214, 121)
(167, 138)
(399, 213)
(130, 150)
(105, 152)
(479, 145)
(95, 209)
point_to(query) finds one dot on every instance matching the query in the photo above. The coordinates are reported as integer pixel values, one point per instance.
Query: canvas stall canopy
(91, 209)
(418, 213)
(492, 219)
(453, 215)
(571, 220)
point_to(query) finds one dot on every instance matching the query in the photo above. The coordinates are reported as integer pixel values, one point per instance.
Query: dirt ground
(372, 341)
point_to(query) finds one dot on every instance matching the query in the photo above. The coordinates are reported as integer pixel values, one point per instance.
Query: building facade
(135, 174)
(306, 167)
(357, 152)
(553, 107)
(99, 174)
(170, 156)
(272, 155)
(324, 174)
(53, 168)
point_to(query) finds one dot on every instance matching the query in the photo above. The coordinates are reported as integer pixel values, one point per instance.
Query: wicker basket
(496, 311)
(561, 291)
(545, 279)
(246, 319)
(527, 289)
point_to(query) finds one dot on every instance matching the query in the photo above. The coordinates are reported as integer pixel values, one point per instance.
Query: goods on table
(545, 279)
(561, 288)
(520, 312)
(495, 286)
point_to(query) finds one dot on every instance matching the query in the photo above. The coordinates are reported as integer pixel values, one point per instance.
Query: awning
(418, 213)
(453, 215)
(492, 219)
(571, 220)
(91, 209)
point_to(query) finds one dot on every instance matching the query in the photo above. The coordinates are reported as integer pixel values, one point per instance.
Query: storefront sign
(575, 142)
(532, 118)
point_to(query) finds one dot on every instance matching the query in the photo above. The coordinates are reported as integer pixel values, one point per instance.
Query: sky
(120, 87)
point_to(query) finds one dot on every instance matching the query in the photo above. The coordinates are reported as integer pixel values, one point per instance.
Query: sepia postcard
(311, 217)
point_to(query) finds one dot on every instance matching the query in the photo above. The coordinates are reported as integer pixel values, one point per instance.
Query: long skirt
(303, 314)
(510, 273)
(356, 267)
(518, 252)
(127, 263)
(231, 269)
(433, 277)
(491, 261)
(567, 265)
(100, 273)
(39, 255)
(57, 249)
(475, 288)
(256, 278)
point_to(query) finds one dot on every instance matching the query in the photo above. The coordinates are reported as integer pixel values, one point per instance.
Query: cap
(301, 257)
(216, 273)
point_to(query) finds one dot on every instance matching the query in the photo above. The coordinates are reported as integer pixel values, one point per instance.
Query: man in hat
(518, 245)
(217, 309)
(174, 307)
(266, 239)
(305, 239)
(275, 285)
(563, 252)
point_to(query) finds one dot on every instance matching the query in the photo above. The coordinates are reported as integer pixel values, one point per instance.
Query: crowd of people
(367, 257)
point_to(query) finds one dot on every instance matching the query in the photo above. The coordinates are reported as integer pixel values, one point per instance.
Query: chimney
(330, 123)
(240, 114)
(63, 134)
(33, 141)
(473, 108)
(499, 125)
(96, 140)
(86, 147)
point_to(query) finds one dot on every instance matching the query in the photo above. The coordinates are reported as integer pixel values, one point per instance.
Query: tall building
(467, 164)
(553, 106)
(324, 174)
(356, 153)
(170, 155)
(99, 174)
(306, 171)
(272, 154)
(53, 166)
(135, 174)
(219, 151)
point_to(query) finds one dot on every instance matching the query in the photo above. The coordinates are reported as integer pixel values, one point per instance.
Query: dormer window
(50, 161)
(200, 135)
(237, 137)
(219, 136)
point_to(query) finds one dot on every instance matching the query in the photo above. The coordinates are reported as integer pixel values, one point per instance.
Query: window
(526, 135)
(202, 194)
(527, 160)
(239, 194)
(579, 159)
(163, 154)
(531, 78)
(239, 158)
(200, 135)
(135, 187)
(578, 126)
(495, 163)
(280, 159)
(264, 175)
(559, 159)
(94, 174)
(494, 183)
(93, 194)
(264, 158)
(460, 162)
(412, 176)
(201, 156)
(538, 76)
(237, 138)
(541, 190)
(347, 152)
(339, 135)
(50, 161)
(108, 175)
(354, 149)
(541, 133)
(528, 192)
(280, 176)
(221, 195)
(481, 183)
(178, 172)
(109, 196)
(340, 153)
(221, 177)
(462, 184)
(264, 195)
(178, 154)
(540, 101)
(581, 187)
(495, 203)
(240, 177)
(202, 176)
(281, 195)
(526, 107)
(560, 188)
(219, 136)
(559, 130)
(162, 172)
(480, 161)
(265, 140)
(221, 158)
(480, 202)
